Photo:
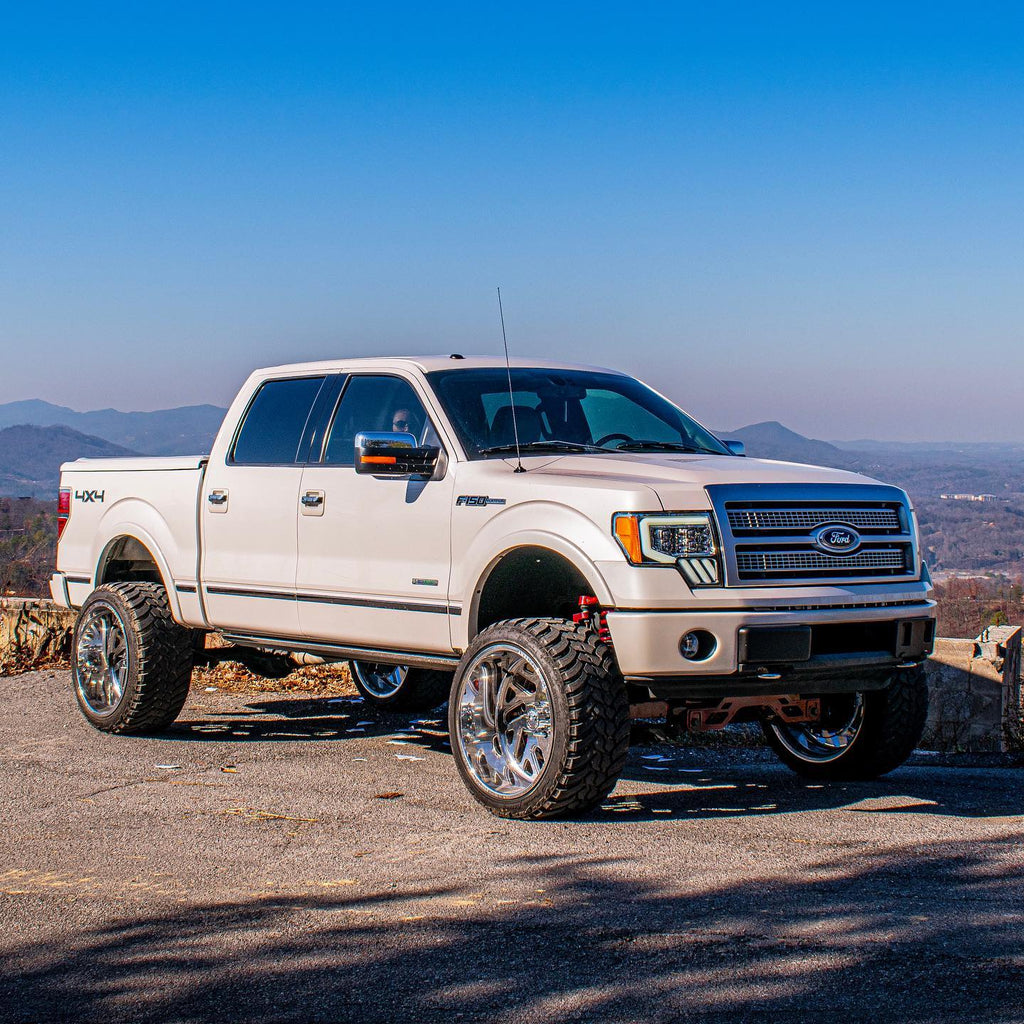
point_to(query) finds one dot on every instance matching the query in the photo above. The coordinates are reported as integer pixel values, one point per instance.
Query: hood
(679, 480)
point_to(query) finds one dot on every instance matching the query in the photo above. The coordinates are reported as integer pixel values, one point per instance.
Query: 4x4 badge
(90, 496)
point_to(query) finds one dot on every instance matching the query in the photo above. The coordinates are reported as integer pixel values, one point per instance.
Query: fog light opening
(697, 645)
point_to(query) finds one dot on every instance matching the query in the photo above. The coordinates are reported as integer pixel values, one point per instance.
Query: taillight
(63, 509)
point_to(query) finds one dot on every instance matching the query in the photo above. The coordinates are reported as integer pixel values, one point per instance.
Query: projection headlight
(683, 539)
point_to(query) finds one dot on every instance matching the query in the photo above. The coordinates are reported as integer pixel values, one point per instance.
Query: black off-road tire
(892, 724)
(422, 689)
(589, 718)
(158, 666)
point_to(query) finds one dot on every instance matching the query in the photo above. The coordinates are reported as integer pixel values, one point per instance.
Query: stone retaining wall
(33, 633)
(975, 694)
(975, 704)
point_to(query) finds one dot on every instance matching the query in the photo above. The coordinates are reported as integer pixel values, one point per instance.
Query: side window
(275, 421)
(375, 403)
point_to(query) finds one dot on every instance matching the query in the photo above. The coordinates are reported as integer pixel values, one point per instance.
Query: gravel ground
(275, 857)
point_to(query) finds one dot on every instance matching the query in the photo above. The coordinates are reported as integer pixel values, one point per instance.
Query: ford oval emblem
(837, 539)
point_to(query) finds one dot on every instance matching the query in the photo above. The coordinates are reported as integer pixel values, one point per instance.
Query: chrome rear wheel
(380, 681)
(101, 659)
(131, 663)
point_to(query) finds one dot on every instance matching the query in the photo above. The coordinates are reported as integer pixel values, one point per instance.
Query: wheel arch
(537, 576)
(135, 555)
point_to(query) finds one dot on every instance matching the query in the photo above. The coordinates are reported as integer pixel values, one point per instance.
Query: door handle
(312, 503)
(218, 501)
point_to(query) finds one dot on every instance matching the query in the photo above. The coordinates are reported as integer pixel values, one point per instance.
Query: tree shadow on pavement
(932, 934)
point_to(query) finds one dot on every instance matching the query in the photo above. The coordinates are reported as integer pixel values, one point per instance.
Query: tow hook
(592, 614)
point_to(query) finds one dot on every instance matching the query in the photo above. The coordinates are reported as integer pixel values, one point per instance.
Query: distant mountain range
(36, 437)
(30, 457)
(29, 460)
(189, 430)
(771, 440)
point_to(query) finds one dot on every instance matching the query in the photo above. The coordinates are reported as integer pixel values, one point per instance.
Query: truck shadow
(316, 718)
(750, 790)
(660, 781)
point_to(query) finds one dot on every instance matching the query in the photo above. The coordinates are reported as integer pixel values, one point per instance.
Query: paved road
(253, 864)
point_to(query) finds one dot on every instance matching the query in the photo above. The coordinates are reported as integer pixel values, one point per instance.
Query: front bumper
(838, 641)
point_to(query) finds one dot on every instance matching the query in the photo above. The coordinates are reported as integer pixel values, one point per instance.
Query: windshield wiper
(660, 446)
(553, 445)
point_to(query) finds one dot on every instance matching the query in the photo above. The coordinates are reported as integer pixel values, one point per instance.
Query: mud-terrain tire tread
(894, 720)
(423, 690)
(597, 730)
(160, 656)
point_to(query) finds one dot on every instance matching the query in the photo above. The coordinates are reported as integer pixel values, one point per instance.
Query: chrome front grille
(808, 519)
(814, 561)
(770, 534)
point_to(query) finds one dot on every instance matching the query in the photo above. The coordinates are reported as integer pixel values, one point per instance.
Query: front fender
(565, 531)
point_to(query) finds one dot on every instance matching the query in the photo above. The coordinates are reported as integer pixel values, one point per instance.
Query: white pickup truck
(548, 547)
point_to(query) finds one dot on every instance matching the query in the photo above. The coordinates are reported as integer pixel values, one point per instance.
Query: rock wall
(975, 694)
(33, 633)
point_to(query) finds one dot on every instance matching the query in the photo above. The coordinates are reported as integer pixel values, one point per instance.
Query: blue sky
(810, 213)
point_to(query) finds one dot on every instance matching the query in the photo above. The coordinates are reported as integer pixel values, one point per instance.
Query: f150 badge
(476, 500)
(86, 496)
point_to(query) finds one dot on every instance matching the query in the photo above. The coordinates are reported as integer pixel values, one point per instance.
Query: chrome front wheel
(538, 718)
(860, 735)
(399, 687)
(504, 720)
(827, 740)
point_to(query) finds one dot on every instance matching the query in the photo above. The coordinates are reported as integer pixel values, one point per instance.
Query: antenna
(511, 396)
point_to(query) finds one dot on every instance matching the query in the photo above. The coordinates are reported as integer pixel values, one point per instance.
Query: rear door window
(275, 422)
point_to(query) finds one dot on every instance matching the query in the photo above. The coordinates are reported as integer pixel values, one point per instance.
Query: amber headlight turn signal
(683, 539)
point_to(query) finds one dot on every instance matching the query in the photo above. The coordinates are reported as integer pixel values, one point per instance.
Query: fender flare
(553, 542)
(143, 537)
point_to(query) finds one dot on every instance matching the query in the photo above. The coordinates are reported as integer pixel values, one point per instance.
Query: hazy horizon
(721, 430)
(809, 215)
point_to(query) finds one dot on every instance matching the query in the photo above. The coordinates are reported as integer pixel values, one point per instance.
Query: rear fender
(142, 522)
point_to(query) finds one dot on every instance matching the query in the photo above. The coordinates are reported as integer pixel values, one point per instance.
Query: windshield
(564, 411)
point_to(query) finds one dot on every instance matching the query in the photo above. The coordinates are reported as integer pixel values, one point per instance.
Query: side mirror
(736, 447)
(393, 454)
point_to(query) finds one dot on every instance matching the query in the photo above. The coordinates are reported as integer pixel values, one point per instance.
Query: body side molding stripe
(352, 602)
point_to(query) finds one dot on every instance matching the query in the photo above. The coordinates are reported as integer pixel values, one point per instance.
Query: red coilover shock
(591, 613)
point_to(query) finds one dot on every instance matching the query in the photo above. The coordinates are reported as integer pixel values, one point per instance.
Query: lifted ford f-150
(545, 546)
